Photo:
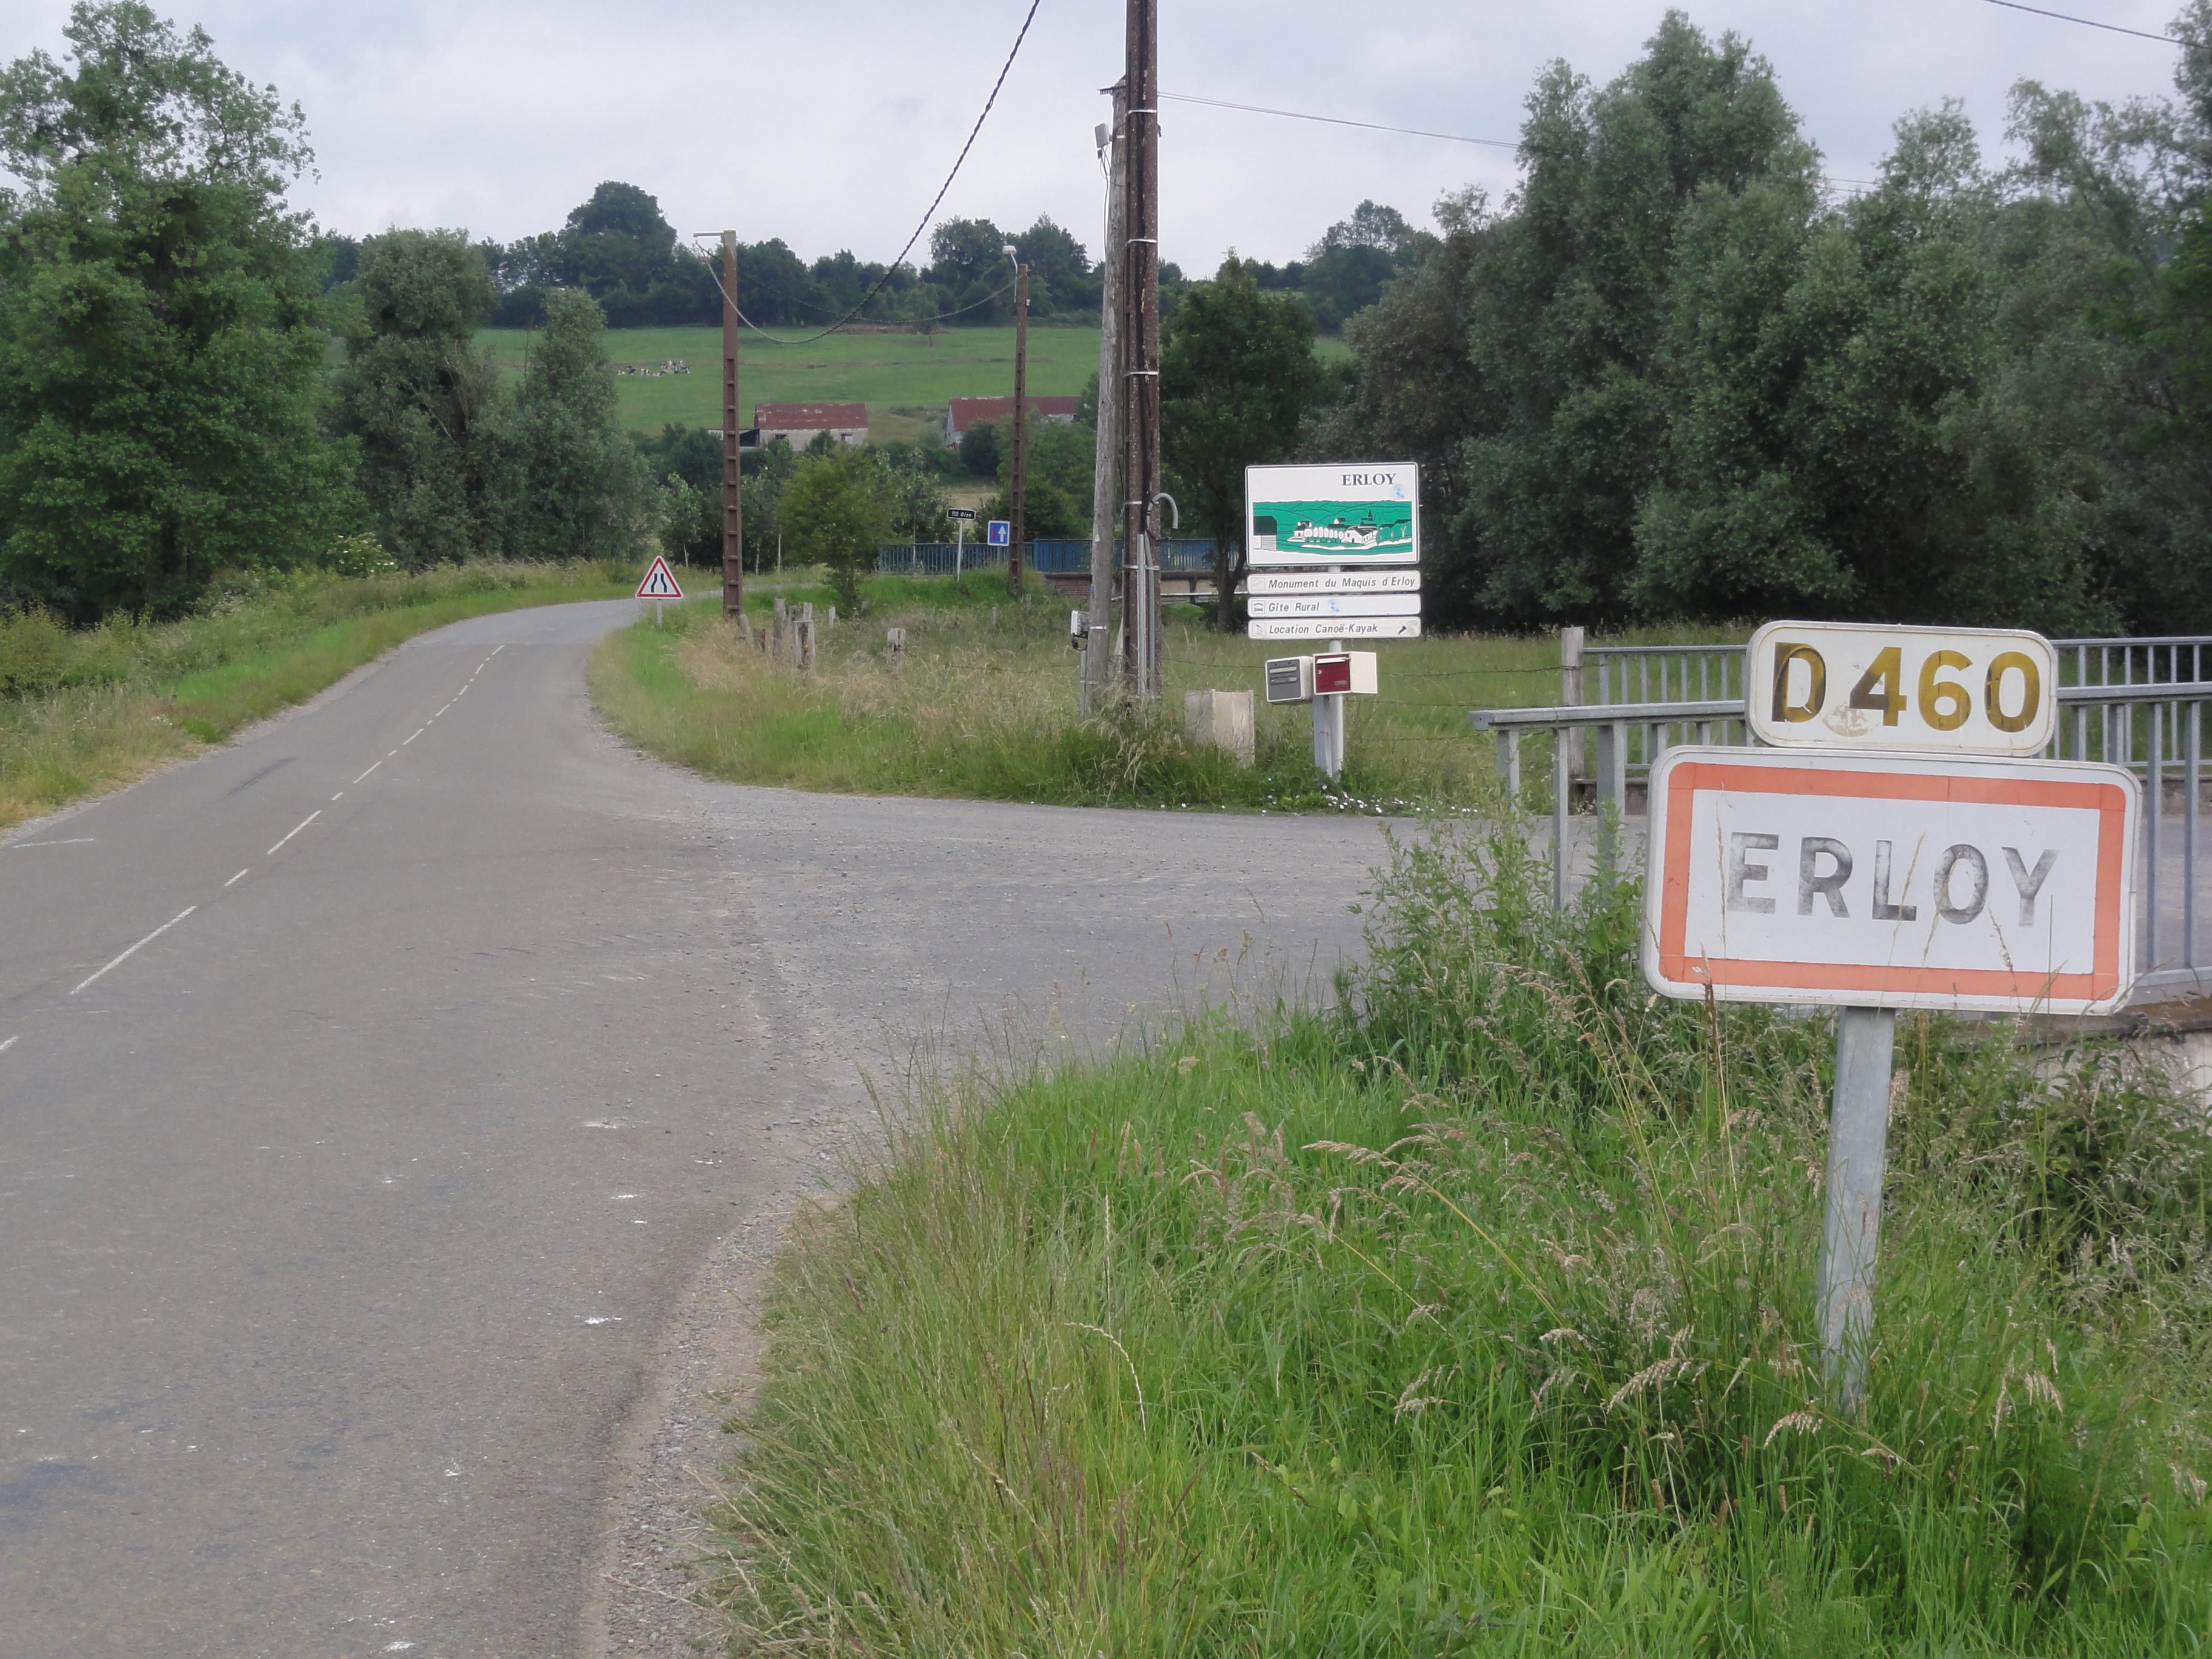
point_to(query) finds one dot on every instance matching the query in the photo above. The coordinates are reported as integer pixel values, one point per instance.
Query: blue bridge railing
(1055, 555)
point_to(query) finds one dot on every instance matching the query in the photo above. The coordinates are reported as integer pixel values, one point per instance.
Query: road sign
(660, 581)
(999, 532)
(959, 511)
(1887, 882)
(1331, 581)
(1352, 513)
(1959, 691)
(1336, 604)
(1333, 627)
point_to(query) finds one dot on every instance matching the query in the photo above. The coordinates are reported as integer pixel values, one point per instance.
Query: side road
(390, 1105)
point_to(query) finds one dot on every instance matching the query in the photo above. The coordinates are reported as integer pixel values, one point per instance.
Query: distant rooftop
(964, 412)
(808, 417)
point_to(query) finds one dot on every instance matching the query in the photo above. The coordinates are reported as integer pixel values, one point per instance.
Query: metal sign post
(960, 516)
(1872, 880)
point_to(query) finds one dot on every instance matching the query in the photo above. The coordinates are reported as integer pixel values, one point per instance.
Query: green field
(905, 379)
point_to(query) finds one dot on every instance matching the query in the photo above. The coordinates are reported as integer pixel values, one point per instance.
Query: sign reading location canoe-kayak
(1881, 881)
(1347, 512)
(1973, 690)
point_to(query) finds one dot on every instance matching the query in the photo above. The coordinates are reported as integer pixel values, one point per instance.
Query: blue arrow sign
(1001, 532)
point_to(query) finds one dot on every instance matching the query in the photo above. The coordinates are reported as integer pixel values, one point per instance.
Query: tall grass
(983, 703)
(1475, 1318)
(85, 710)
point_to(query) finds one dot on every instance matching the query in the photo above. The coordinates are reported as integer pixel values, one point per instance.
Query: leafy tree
(574, 483)
(762, 475)
(691, 517)
(835, 514)
(159, 360)
(1238, 377)
(1346, 271)
(420, 399)
(981, 451)
(1062, 280)
(967, 259)
(910, 491)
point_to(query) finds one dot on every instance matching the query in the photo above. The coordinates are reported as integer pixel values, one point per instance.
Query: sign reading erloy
(1348, 512)
(1958, 690)
(1890, 881)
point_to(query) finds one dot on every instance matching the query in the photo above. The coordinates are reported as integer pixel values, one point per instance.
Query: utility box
(1290, 679)
(1222, 720)
(1339, 673)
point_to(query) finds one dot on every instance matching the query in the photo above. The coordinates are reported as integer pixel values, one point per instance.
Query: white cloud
(831, 126)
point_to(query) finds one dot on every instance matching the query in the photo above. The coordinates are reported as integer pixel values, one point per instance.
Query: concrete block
(1222, 719)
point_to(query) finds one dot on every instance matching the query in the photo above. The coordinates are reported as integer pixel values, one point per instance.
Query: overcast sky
(831, 124)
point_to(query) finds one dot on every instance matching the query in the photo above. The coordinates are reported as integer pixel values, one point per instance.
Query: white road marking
(387, 756)
(294, 830)
(73, 840)
(5, 1047)
(339, 796)
(136, 948)
(419, 731)
(372, 768)
(496, 650)
(237, 878)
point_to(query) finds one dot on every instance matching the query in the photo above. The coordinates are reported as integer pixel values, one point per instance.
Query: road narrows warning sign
(660, 581)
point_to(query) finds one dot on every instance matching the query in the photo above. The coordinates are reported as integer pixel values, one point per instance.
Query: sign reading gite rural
(1971, 690)
(1347, 513)
(1890, 881)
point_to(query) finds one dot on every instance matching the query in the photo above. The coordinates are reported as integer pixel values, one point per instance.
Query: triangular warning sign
(660, 581)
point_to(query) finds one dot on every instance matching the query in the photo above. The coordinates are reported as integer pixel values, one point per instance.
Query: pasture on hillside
(905, 379)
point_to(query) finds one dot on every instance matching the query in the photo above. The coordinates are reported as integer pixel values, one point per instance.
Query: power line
(2086, 22)
(1419, 132)
(883, 281)
(941, 317)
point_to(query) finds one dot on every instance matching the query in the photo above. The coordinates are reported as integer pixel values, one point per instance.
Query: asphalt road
(377, 1094)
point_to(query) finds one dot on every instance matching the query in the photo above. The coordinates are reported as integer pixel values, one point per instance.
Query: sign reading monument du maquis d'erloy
(1345, 514)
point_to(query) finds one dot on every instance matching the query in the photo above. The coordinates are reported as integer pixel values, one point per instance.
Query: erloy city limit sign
(1952, 690)
(1347, 513)
(1891, 882)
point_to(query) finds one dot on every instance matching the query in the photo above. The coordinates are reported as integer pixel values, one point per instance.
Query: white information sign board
(1880, 881)
(1956, 690)
(1345, 512)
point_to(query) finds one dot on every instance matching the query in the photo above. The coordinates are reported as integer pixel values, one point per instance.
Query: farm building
(800, 424)
(964, 412)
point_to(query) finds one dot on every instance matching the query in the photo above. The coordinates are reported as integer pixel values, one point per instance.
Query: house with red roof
(800, 424)
(964, 412)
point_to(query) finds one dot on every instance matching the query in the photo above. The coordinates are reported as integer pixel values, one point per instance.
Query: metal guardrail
(2154, 729)
(1049, 555)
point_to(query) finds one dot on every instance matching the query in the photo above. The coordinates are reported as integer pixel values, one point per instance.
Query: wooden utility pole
(733, 510)
(1021, 426)
(1106, 460)
(1140, 352)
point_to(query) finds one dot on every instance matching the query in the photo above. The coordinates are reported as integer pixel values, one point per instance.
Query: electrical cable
(959, 162)
(2087, 22)
(956, 311)
(1419, 132)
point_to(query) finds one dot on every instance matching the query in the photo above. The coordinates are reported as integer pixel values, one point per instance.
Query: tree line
(1677, 373)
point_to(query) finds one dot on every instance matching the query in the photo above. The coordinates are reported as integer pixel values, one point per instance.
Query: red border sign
(1680, 961)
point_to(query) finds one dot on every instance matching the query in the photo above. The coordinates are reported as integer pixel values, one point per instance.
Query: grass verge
(81, 713)
(982, 705)
(1475, 1319)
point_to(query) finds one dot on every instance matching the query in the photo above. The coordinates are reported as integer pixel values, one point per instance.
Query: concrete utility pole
(1140, 351)
(1106, 460)
(1021, 423)
(733, 510)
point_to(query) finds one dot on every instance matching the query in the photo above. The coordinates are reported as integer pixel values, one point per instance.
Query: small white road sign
(1333, 627)
(1336, 604)
(1347, 513)
(999, 532)
(1892, 882)
(660, 581)
(1958, 690)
